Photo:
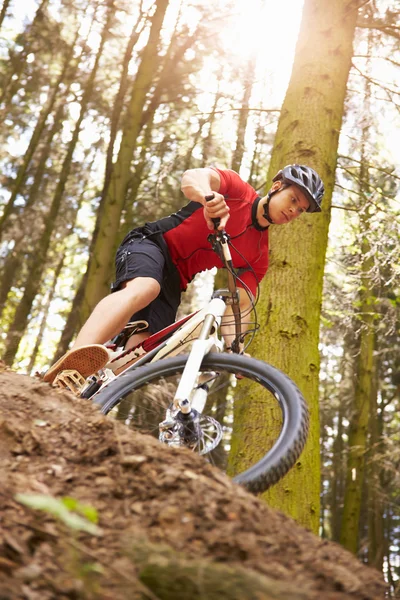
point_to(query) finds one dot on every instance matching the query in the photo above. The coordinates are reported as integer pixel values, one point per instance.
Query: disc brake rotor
(210, 435)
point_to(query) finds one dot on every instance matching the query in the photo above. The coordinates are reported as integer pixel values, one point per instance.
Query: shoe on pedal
(86, 360)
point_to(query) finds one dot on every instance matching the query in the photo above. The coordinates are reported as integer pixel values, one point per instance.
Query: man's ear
(276, 185)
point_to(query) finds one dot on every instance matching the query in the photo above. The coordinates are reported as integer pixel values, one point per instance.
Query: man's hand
(199, 184)
(216, 208)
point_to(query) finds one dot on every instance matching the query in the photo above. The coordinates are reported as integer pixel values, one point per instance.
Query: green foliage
(64, 509)
(362, 283)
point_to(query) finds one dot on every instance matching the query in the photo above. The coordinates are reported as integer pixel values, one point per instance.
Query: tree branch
(374, 81)
(367, 57)
(368, 165)
(238, 109)
(391, 30)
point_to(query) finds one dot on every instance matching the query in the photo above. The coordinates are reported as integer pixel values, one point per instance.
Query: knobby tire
(292, 438)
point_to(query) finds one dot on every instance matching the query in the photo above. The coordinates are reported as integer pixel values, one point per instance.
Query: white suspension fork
(200, 347)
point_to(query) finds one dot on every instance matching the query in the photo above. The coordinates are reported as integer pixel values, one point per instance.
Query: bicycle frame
(200, 330)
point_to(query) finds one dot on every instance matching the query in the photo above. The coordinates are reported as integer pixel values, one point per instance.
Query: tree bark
(255, 159)
(4, 9)
(72, 323)
(119, 100)
(308, 132)
(337, 478)
(358, 430)
(376, 504)
(45, 314)
(11, 268)
(135, 183)
(208, 153)
(243, 115)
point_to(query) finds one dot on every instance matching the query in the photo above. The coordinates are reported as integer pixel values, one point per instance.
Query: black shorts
(140, 256)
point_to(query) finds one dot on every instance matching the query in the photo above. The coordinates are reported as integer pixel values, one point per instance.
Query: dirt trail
(171, 525)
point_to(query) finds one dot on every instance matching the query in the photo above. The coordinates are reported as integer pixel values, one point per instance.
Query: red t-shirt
(186, 232)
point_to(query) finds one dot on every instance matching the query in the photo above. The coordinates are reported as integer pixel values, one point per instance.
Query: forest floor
(171, 526)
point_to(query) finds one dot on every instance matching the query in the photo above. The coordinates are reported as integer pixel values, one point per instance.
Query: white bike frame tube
(200, 347)
(182, 335)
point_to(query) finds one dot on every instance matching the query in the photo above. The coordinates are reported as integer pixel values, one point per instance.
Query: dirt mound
(171, 525)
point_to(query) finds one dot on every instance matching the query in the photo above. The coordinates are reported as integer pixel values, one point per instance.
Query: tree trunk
(171, 63)
(208, 152)
(73, 320)
(289, 310)
(243, 115)
(11, 268)
(14, 259)
(45, 314)
(38, 262)
(135, 183)
(376, 508)
(72, 323)
(65, 340)
(100, 267)
(337, 478)
(35, 139)
(4, 9)
(358, 430)
(187, 162)
(359, 422)
(391, 573)
(112, 207)
(77, 314)
(119, 100)
(254, 164)
(346, 397)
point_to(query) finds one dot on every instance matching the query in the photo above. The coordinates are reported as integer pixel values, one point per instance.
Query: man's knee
(143, 287)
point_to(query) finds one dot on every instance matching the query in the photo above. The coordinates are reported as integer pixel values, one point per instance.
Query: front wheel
(245, 410)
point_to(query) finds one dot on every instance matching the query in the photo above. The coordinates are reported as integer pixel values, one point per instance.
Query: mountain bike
(198, 399)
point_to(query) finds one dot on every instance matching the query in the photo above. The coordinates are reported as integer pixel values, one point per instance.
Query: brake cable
(220, 244)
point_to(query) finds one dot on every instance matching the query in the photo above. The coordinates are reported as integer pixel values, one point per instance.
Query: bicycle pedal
(70, 380)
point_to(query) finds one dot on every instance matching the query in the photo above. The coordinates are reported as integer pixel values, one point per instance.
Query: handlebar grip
(216, 221)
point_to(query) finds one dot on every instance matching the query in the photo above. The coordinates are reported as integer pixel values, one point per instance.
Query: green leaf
(84, 509)
(58, 509)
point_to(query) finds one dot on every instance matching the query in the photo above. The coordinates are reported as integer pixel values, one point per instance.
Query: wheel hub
(200, 433)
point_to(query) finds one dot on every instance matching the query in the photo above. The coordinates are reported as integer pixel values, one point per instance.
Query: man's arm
(197, 184)
(228, 321)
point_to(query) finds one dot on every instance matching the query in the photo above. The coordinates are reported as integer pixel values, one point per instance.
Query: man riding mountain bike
(154, 263)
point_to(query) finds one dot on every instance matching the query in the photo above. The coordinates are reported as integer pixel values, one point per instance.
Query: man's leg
(113, 312)
(107, 319)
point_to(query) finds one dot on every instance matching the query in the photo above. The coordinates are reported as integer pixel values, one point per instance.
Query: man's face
(287, 204)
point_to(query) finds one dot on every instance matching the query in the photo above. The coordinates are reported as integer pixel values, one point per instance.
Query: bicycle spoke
(223, 425)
